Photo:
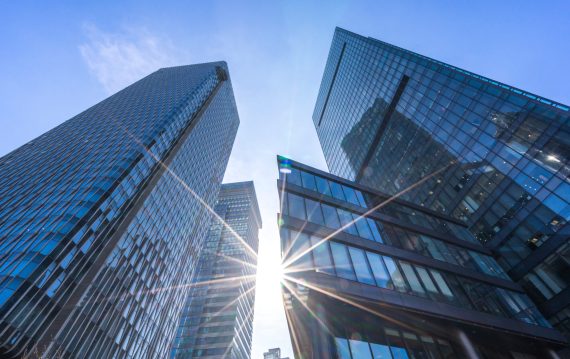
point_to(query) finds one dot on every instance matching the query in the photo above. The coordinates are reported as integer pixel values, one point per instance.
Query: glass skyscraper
(101, 218)
(369, 276)
(485, 153)
(217, 320)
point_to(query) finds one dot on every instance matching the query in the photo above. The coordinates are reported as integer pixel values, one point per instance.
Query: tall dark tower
(217, 320)
(102, 218)
(490, 155)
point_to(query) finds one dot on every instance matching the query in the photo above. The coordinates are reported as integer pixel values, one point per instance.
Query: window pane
(412, 278)
(426, 280)
(331, 217)
(341, 261)
(346, 220)
(323, 186)
(360, 350)
(395, 274)
(380, 351)
(300, 244)
(431, 248)
(361, 199)
(296, 206)
(336, 190)
(399, 353)
(350, 195)
(308, 181)
(294, 177)
(379, 270)
(441, 284)
(342, 350)
(374, 228)
(322, 256)
(360, 266)
(362, 226)
(396, 344)
(314, 212)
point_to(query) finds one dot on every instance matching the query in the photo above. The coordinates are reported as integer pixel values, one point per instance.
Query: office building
(102, 218)
(274, 353)
(369, 276)
(217, 320)
(488, 154)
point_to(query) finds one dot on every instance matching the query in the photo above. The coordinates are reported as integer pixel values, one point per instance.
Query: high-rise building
(488, 154)
(369, 276)
(274, 353)
(217, 320)
(102, 218)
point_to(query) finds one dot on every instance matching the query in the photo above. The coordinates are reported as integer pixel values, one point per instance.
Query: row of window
(440, 250)
(347, 194)
(396, 345)
(326, 187)
(371, 268)
(335, 218)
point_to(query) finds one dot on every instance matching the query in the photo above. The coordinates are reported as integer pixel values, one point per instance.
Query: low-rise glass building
(369, 275)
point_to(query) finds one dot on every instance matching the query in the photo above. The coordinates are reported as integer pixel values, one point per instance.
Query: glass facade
(100, 217)
(490, 155)
(357, 251)
(217, 319)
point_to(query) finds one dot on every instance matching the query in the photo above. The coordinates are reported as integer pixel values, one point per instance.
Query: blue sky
(58, 59)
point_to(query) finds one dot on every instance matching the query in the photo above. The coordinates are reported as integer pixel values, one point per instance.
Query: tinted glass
(323, 186)
(360, 349)
(314, 213)
(296, 206)
(379, 270)
(342, 349)
(331, 216)
(322, 256)
(341, 261)
(361, 266)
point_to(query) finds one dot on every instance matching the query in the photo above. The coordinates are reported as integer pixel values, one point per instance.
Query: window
(342, 262)
(361, 266)
(323, 186)
(299, 244)
(380, 351)
(314, 213)
(296, 206)
(331, 217)
(374, 228)
(441, 284)
(378, 268)
(427, 281)
(360, 350)
(412, 278)
(350, 195)
(395, 274)
(362, 226)
(322, 256)
(342, 349)
(336, 190)
(346, 220)
(308, 181)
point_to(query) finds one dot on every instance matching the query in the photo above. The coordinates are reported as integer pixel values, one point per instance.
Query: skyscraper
(485, 153)
(274, 353)
(369, 276)
(217, 320)
(102, 218)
